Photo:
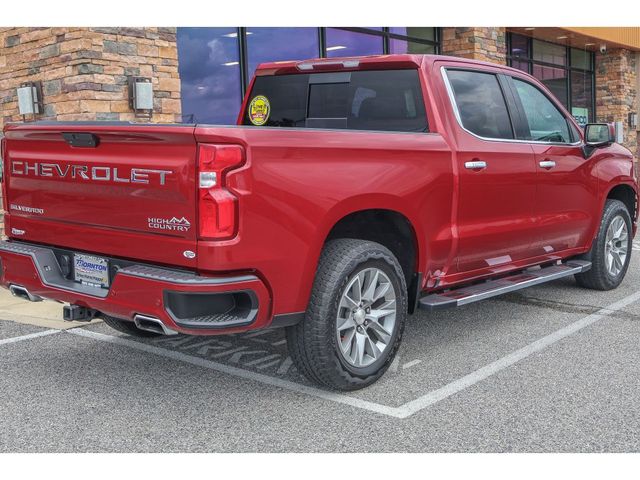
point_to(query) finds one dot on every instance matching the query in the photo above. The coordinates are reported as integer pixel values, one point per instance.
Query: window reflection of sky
(342, 43)
(210, 74)
(276, 44)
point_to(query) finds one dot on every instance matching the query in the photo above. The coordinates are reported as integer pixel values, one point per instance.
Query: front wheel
(611, 251)
(355, 318)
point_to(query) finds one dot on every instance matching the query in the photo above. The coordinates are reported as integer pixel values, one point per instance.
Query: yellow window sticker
(259, 110)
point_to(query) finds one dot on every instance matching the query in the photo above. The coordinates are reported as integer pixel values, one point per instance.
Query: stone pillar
(479, 43)
(616, 91)
(84, 71)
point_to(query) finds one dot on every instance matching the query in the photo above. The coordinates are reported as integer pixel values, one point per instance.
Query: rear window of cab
(382, 100)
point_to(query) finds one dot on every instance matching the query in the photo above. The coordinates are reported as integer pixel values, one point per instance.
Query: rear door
(567, 190)
(119, 190)
(496, 174)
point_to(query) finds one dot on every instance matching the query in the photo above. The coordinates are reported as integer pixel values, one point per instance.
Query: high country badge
(172, 224)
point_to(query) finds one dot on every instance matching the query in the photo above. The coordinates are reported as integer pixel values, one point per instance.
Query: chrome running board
(492, 288)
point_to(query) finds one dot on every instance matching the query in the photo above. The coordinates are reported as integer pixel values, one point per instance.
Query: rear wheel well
(388, 228)
(626, 195)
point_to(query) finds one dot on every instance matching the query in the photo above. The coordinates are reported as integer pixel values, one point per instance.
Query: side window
(546, 122)
(480, 103)
(575, 134)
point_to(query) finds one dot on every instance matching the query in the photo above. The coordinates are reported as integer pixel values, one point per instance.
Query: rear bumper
(182, 301)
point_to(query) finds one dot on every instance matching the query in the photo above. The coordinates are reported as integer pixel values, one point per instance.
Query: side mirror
(599, 134)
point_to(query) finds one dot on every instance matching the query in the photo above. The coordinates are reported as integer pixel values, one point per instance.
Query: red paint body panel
(294, 186)
(297, 184)
(566, 198)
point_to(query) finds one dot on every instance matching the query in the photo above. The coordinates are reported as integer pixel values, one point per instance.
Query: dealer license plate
(91, 270)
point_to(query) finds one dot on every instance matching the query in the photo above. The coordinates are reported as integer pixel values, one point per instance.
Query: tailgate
(121, 190)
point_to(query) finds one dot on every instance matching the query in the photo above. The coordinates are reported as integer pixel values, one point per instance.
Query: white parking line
(238, 372)
(411, 364)
(403, 411)
(28, 337)
(456, 386)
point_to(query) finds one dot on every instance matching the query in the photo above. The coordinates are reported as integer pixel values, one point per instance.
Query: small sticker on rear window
(259, 110)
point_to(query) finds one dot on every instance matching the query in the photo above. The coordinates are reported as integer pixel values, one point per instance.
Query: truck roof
(370, 62)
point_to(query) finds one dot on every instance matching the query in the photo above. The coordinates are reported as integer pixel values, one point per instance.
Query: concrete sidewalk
(47, 314)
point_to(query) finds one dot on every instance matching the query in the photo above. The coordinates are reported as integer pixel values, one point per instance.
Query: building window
(275, 44)
(346, 43)
(216, 64)
(209, 66)
(567, 72)
(414, 40)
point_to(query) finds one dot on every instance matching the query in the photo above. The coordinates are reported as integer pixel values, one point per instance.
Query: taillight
(218, 206)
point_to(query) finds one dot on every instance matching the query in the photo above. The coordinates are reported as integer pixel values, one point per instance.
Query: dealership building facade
(199, 75)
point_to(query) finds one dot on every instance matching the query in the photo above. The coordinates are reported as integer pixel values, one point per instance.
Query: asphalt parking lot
(552, 368)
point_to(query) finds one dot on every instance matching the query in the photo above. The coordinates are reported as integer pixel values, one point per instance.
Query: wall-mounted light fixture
(633, 120)
(30, 99)
(141, 96)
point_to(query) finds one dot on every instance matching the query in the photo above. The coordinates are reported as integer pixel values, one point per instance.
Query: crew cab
(352, 193)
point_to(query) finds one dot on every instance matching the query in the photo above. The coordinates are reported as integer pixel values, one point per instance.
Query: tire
(601, 276)
(128, 327)
(315, 343)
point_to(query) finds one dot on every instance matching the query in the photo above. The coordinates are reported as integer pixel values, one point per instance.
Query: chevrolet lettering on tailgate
(85, 172)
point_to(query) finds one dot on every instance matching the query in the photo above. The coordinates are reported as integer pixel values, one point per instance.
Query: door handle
(475, 165)
(547, 164)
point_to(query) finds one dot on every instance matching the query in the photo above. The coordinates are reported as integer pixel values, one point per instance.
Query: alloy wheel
(616, 246)
(366, 317)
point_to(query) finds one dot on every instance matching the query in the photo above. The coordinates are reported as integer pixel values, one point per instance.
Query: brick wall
(479, 43)
(617, 91)
(84, 71)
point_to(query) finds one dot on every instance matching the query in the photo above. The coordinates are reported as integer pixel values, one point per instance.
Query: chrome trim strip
(443, 71)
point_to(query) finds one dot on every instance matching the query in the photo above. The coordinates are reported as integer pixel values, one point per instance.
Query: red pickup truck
(351, 193)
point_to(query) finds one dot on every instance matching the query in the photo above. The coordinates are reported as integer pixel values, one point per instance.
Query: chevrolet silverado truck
(351, 193)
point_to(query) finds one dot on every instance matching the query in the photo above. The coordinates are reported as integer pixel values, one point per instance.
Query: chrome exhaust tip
(152, 324)
(19, 291)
